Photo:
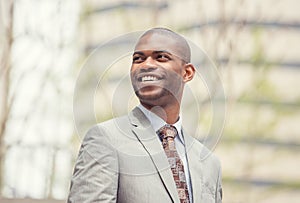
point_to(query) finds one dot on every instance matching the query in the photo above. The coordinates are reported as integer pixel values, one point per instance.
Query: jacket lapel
(144, 132)
(193, 150)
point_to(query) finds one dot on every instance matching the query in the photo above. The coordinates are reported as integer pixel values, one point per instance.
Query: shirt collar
(157, 122)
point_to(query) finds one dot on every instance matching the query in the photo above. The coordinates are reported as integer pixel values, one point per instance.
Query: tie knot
(167, 132)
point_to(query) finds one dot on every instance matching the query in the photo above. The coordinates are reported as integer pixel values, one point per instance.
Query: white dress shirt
(157, 123)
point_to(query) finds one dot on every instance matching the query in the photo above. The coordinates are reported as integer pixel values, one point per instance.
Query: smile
(148, 78)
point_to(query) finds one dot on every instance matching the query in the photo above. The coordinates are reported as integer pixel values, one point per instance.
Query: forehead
(158, 42)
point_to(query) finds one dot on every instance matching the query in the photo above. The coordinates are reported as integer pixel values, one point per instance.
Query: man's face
(157, 70)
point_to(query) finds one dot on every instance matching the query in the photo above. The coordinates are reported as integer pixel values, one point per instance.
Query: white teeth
(149, 78)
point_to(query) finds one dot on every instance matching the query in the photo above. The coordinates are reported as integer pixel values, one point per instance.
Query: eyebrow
(154, 52)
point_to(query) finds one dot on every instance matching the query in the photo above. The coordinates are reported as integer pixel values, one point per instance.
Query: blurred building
(254, 46)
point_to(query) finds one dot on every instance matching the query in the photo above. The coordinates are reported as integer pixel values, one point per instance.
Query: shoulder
(108, 132)
(203, 154)
(207, 155)
(108, 126)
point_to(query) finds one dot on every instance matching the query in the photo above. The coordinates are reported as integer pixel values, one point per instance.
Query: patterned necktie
(167, 134)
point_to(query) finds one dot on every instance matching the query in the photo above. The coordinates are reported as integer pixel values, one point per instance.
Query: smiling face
(159, 71)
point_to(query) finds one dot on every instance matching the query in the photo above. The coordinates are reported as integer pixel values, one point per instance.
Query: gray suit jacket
(122, 160)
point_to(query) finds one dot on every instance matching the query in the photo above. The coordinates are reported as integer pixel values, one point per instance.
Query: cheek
(177, 73)
(175, 80)
(132, 71)
(177, 68)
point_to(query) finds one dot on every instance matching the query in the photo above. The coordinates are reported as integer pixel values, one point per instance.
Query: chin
(150, 96)
(146, 97)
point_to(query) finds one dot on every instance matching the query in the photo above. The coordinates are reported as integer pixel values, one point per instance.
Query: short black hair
(185, 48)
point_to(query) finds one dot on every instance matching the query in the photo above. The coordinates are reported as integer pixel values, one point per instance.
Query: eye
(163, 57)
(137, 59)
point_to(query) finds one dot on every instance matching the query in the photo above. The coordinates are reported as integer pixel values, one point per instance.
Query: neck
(169, 113)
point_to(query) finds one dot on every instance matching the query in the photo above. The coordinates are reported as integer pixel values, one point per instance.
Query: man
(146, 156)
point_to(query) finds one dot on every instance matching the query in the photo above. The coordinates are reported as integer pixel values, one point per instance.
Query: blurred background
(254, 44)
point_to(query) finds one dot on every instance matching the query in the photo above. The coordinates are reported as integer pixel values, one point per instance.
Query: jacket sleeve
(219, 192)
(95, 177)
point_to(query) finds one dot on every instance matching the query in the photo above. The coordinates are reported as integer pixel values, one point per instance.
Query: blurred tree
(6, 40)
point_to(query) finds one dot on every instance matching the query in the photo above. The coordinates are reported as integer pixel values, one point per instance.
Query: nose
(149, 64)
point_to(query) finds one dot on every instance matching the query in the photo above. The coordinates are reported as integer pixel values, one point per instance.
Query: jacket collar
(142, 129)
(146, 135)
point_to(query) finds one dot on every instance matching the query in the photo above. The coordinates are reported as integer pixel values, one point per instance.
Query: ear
(189, 72)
